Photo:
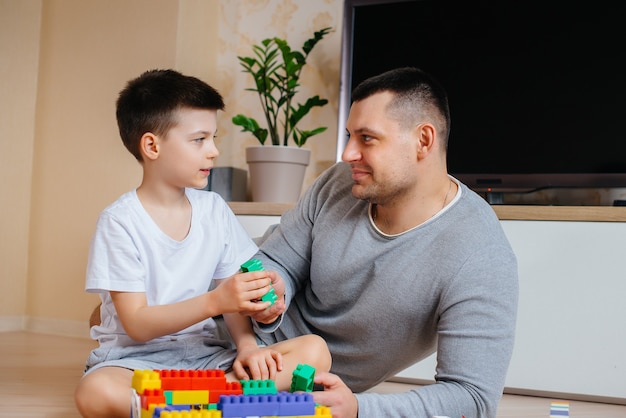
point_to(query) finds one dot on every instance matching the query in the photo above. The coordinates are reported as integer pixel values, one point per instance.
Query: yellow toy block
(186, 397)
(203, 413)
(322, 412)
(146, 379)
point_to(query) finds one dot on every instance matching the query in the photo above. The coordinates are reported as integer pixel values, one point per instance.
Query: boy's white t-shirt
(130, 253)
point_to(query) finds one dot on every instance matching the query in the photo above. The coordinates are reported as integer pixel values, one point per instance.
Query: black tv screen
(537, 89)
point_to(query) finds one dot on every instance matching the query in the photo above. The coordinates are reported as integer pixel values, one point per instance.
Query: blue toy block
(296, 404)
(282, 404)
(248, 405)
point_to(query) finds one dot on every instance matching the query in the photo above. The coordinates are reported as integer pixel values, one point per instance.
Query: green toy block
(255, 264)
(258, 387)
(302, 378)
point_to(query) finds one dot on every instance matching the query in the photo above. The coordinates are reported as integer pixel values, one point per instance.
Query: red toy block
(151, 396)
(232, 388)
(208, 379)
(175, 379)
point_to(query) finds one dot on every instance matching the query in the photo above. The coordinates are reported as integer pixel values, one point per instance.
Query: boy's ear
(149, 146)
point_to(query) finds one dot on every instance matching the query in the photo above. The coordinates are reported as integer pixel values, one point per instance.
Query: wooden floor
(38, 374)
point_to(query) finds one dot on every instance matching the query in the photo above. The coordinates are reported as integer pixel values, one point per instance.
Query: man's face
(383, 154)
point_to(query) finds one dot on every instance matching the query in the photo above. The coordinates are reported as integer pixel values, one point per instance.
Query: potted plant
(275, 68)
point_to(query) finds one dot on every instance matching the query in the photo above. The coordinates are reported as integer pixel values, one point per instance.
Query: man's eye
(367, 138)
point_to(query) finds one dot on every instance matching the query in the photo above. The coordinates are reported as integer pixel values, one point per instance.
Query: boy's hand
(257, 363)
(242, 292)
(267, 316)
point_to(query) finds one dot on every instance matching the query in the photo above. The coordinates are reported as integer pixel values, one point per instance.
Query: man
(390, 259)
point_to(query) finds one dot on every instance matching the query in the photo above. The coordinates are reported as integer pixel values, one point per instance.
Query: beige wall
(62, 63)
(19, 20)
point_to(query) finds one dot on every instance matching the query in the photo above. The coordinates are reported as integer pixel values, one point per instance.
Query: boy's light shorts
(198, 352)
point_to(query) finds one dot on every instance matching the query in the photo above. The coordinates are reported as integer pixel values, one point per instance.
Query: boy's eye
(199, 139)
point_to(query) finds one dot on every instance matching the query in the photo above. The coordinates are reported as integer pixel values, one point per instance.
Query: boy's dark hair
(149, 103)
(418, 94)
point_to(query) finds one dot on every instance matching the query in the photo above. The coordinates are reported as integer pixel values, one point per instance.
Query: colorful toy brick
(230, 388)
(207, 394)
(186, 397)
(259, 387)
(192, 379)
(208, 379)
(281, 404)
(302, 378)
(559, 409)
(145, 379)
(296, 404)
(255, 264)
(151, 396)
(203, 413)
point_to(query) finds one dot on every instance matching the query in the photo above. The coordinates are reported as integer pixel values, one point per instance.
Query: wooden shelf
(561, 213)
(504, 212)
(259, 208)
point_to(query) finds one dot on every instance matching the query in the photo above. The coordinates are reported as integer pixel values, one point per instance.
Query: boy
(157, 248)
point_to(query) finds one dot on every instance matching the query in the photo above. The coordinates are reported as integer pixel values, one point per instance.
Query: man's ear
(426, 134)
(149, 146)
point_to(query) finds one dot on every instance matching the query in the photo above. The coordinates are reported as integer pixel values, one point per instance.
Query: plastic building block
(559, 409)
(258, 387)
(296, 404)
(208, 379)
(249, 405)
(145, 379)
(151, 396)
(302, 378)
(281, 404)
(254, 264)
(230, 388)
(203, 413)
(186, 397)
(322, 411)
(175, 379)
(207, 394)
(192, 379)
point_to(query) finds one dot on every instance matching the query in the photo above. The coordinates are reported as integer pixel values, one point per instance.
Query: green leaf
(252, 126)
(275, 69)
(300, 137)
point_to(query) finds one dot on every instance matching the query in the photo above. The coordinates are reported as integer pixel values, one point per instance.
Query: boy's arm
(252, 362)
(240, 329)
(143, 323)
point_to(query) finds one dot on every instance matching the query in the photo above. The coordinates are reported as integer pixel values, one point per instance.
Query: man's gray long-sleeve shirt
(383, 303)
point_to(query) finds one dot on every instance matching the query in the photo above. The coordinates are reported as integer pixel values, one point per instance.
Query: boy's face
(188, 152)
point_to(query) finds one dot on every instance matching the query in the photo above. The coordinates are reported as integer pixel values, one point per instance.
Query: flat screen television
(537, 89)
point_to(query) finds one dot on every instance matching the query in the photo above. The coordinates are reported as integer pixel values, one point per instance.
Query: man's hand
(336, 395)
(272, 313)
